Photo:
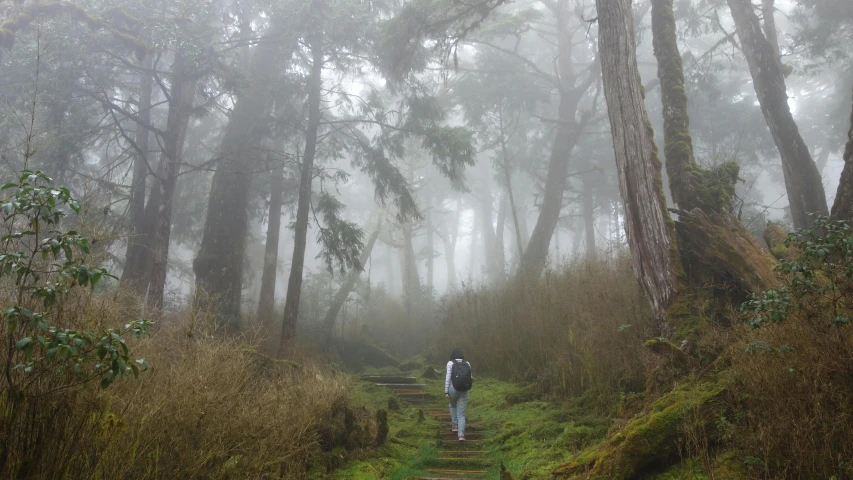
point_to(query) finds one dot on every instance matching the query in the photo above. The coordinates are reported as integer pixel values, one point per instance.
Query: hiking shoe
(461, 438)
(454, 428)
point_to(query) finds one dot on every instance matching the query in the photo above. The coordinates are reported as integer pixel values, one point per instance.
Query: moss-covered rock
(650, 439)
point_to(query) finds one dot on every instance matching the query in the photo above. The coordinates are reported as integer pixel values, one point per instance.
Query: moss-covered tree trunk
(266, 301)
(678, 145)
(181, 98)
(842, 207)
(343, 292)
(802, 179)
(650, 230)
(133, 276)
(218, 266)
(303, 207)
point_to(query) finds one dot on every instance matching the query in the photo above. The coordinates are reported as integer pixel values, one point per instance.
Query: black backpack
(460, 376)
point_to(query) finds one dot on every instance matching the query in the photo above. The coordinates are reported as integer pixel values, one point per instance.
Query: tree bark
(500, 240)
(650, 230)
(589, 219)
(494, 269)
(802, 180)
(294, 284)
(430, 237)
(343, 292)
(449, 240)
(266, 301)
(411, 278)
(181, 98)
(567, 133)
(136, 256)
(768, 12)
(678, 144)
(842, 208)
(219, 264)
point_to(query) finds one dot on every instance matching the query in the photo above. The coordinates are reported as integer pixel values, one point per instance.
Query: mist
(585, 193)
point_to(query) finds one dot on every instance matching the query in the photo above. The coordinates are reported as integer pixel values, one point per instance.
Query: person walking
(457, 383)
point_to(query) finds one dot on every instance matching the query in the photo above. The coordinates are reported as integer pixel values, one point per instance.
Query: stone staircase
(455, 460)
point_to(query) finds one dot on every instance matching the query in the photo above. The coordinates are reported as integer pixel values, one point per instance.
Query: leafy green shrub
(40, 266)
(792, 389)
(819, 277)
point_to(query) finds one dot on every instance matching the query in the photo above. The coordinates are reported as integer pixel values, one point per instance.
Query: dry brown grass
(577, 331)
(210, 407)
(793, 394)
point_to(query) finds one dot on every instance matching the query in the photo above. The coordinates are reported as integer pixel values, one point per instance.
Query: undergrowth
(77, 400)
(578, 331)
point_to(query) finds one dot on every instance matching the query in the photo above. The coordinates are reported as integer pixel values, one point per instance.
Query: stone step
(463, 453)
(457, 474)
(402, 386)
(451, 478)
(389, 379)
(467, 444)
(463, 462)
(469, 427)
(469, 434)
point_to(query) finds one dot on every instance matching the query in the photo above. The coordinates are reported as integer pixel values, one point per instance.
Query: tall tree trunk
(294, 283)
(134, 275)
(524, 227)
(567, 133)
(842, 208)
(519, 243)
(487, 229)
(589, 219)
(802, 180)
(266, 301)
(449, 240)
(343, 292)
(218, 266)
(650, 230)
(411, 278)
(472, 258)
(180, 108)
(392, 277)
(769, 14)
(500, 240)
(678, 144)
(430, 238)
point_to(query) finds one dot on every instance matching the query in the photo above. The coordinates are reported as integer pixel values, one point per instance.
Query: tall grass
(577, 331)
(210, 407)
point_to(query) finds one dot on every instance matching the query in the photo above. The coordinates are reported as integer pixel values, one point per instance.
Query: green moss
(650, 438)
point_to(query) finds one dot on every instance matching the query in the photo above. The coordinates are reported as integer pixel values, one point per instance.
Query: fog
(183, 125)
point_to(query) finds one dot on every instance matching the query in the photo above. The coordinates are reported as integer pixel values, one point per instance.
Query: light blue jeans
(458, 406)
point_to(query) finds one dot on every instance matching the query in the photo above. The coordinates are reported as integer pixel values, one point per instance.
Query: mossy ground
(530, 438)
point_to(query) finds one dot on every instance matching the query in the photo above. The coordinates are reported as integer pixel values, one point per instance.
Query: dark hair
(456, 353)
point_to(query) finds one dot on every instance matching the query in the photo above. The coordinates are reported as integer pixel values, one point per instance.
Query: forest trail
(454, 460)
